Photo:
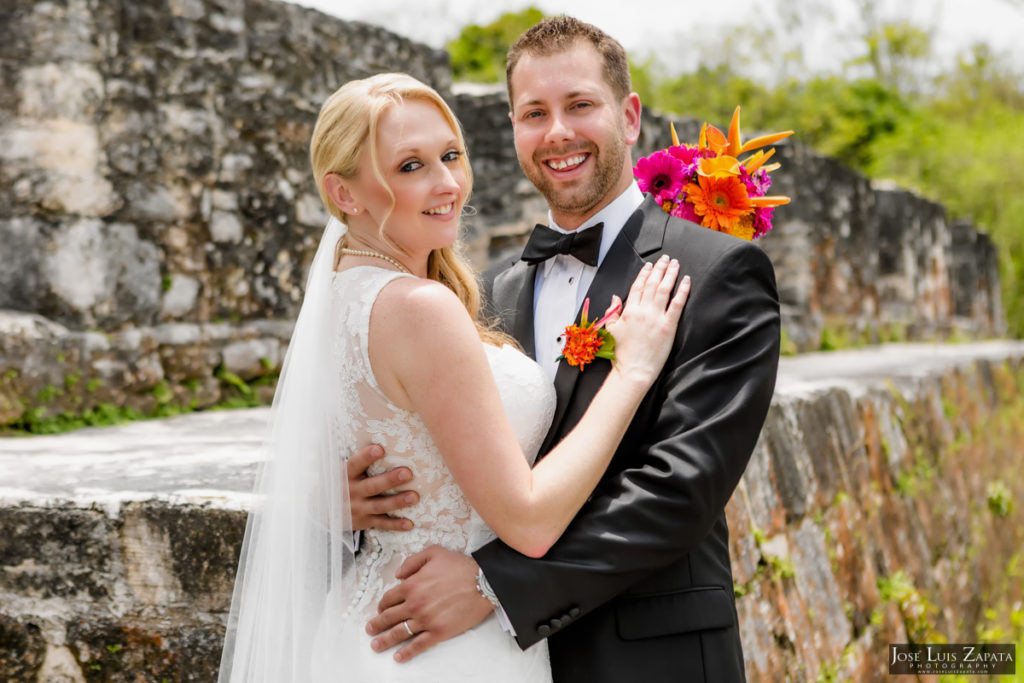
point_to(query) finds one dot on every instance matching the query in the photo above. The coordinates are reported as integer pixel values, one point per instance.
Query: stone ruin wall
(872, 512)
(157, 213)
(156, 207)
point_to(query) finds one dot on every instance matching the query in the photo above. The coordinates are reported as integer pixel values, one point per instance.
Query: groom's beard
(579, 199)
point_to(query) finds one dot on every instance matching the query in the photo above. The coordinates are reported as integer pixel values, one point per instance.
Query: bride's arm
(427, 356)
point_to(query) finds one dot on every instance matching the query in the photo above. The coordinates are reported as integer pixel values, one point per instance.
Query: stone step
(209, 458)
(118, 545)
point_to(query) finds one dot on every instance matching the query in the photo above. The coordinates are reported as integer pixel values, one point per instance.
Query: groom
(639, 587)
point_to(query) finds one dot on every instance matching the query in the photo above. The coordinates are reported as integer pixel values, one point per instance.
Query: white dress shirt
(563, 280)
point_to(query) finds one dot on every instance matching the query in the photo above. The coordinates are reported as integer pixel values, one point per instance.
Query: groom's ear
(631, 113)
(338, 192)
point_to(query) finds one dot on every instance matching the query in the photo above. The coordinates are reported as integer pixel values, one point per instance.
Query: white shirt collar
(614, 217)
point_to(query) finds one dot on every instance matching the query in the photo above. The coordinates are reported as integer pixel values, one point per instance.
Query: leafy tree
(898, 54)
(478, 53)
(961, 152)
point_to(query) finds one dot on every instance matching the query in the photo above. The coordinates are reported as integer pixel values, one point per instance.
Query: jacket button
(574, 612)
(544, 630)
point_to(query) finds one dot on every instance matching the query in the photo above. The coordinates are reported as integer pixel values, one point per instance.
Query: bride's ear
(339, 193)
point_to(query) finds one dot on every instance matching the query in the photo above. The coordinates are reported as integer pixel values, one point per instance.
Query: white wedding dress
(341, 647)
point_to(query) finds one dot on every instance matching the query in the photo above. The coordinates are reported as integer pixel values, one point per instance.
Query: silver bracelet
(483, 587)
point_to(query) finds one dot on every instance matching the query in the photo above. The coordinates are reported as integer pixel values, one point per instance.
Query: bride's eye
(451, 155)
(410, 166)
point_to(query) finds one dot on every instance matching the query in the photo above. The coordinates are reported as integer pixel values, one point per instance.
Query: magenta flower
(684, 209)
(690, 156)
(763, 220)
(748, 182)
(661, 174)
(685, 153)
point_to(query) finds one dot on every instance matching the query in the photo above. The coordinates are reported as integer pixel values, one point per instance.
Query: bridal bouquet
(709, 184)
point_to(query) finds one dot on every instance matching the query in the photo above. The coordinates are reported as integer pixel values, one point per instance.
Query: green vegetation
(945, 131)
(1000, 498)
(478, 53)
(778, 567)
(168, 400)
(915, 607)
(35, 421)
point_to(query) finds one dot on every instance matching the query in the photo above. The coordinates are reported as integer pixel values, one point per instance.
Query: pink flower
(684, 210)
(748, 182)
(763, 220)
(690, 156)
(762, 181)
(661, 174)
(685, 153)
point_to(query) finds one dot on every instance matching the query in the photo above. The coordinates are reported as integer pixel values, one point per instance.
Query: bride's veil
(296, 563)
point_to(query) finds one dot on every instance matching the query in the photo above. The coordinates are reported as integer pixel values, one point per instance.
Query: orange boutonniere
(589, 340)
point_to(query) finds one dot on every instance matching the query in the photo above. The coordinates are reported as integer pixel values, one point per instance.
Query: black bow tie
(545, 243)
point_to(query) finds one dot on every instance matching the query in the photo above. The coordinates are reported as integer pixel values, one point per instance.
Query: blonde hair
(348, 121)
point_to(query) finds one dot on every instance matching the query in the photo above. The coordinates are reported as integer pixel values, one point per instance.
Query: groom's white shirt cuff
(499, 611)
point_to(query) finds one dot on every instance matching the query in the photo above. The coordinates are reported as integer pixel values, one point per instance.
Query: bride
(389, 348)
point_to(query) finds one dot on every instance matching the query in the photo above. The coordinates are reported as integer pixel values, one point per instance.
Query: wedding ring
(407, 629)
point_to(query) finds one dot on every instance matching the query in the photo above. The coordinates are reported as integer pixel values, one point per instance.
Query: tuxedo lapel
(643, 234)
(513, 302)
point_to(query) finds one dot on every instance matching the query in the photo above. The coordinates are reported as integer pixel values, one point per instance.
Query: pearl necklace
(374, 254)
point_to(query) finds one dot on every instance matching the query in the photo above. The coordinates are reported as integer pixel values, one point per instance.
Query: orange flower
(719, 166)
(589, 340)
(719, 201)
(581, 345)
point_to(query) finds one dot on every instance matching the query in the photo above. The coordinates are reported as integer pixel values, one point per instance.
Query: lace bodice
(443, 516)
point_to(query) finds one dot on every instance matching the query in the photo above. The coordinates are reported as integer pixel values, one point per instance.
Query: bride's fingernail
(375, 644)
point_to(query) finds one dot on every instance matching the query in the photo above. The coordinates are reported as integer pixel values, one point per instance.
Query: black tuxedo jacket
(639, 587)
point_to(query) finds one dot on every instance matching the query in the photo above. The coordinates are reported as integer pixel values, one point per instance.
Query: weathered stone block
(22, 649)
(56, 553)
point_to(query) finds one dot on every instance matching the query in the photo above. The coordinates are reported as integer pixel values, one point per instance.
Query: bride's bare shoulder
(420, 308)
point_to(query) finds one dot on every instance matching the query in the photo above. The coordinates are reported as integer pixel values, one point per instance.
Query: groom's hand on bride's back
(370, 505)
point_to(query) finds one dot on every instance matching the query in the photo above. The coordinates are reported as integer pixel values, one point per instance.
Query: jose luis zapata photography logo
(961, 658)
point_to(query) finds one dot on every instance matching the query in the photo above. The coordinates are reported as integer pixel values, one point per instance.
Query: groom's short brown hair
(552, 35)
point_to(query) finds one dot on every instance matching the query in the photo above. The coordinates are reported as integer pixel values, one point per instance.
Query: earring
(355, 211)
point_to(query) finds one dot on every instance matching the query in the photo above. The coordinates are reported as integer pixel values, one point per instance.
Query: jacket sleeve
(678, 464)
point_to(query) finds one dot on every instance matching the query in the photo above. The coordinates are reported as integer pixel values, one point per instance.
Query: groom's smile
(567, 165)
